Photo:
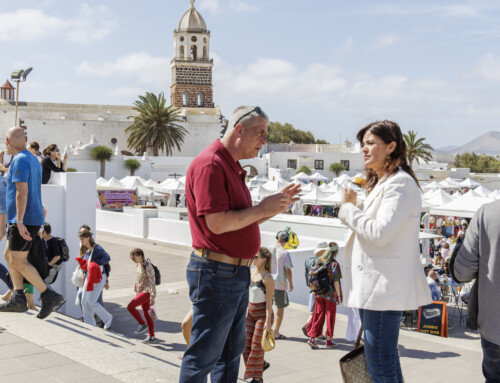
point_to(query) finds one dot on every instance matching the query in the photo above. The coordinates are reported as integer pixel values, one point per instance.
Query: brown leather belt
(223, 258)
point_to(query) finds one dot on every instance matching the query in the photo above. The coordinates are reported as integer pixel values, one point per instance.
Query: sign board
(433, 319)
(116, 200)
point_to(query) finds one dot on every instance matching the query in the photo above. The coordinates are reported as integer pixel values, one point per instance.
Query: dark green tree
(304, 169)
(156, 126)
(102, 154)
(336, 167)
(132, 164)
(416, 149)
(285, 133)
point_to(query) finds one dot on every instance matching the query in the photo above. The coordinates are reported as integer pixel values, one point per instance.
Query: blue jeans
(90, 304)
(491, 361)
(381, 333)
(219, 293)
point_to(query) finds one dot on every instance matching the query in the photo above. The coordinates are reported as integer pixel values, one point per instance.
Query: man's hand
(278, 202)
(348, 195)
(291, 287)
(24, 232)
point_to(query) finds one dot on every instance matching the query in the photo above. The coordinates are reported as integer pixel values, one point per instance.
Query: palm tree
(102, 154)
(156, 126)
(416, 149)
(132, 164)
(337, 167)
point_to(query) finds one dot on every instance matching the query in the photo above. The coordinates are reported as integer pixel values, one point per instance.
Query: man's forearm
(21, 199)
(233, 220)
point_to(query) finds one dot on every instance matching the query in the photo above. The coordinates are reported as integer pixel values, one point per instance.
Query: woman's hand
(65, 157)
(151, 302)
(267, 325)
(348, 196)
(106, 286)
(339, 300)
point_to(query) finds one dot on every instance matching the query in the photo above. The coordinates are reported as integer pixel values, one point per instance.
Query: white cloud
(346, 46)
(136, 67)
(487, 68)
(386, 40)
(90, 24)
(468, 9)
(227, 6)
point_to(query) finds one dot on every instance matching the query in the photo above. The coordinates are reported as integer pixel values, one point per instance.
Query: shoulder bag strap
(358, 341)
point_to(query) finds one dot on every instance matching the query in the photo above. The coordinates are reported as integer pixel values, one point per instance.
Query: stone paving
(61, 349)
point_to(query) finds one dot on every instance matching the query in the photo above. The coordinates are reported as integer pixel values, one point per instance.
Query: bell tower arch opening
(192, 67)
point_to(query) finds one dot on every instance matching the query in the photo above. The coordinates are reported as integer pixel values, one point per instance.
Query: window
(181, 51)
(114, 141)
(194, 39)
(346, 164)
(292, 164)
(201, 99)
(194, 51)
(185, 99)
(318, 164)
(204, 53)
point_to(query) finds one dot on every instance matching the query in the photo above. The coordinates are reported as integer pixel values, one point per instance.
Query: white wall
(70, 201)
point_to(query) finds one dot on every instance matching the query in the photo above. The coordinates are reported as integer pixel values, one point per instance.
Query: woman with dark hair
(52, 162)
(92, 259)
(145, 289)
(382, 271)
(34, 148)
(259, 315)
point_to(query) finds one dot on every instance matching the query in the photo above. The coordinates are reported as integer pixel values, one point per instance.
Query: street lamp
(18, 76)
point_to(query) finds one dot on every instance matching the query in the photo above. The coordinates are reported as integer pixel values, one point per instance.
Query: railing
(192, 30)
(206, 60)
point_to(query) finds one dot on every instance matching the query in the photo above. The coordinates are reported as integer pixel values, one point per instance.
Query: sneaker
(149, 340)
(50, 300)
(17, 303)
(107, 325)
(312, 343)
(330, 343)
(266, 366)
(141, 329)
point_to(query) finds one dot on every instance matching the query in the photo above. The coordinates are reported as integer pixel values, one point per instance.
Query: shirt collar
(229, 159)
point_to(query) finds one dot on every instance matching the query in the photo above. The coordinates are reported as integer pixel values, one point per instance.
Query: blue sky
(325, 66)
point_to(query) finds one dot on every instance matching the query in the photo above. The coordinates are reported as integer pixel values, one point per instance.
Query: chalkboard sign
(433, 319)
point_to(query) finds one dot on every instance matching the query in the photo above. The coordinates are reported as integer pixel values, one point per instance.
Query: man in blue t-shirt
(24, 218)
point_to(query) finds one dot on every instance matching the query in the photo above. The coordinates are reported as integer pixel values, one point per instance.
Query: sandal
(280, 336)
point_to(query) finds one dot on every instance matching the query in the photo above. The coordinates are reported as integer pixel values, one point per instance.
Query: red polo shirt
(216, 183)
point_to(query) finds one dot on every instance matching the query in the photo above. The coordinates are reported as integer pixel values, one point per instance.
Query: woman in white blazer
(383, 275)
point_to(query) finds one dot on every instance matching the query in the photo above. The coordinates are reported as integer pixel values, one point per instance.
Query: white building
(74, 124)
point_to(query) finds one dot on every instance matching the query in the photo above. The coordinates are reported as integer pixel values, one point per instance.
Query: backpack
(308, 264)
(319, 279)
(63, 246)
(157, 273)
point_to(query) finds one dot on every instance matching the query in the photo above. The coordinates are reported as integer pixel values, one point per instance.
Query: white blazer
(381, 259)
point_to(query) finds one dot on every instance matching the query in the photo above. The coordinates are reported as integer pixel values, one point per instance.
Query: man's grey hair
(246, 121)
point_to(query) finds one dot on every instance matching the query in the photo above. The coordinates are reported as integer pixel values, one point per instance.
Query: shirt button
(360, 267)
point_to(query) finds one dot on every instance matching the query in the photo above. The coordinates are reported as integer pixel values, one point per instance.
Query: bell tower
(191, 66)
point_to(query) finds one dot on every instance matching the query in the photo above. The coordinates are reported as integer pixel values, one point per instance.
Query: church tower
(191, 65)
(7, 91)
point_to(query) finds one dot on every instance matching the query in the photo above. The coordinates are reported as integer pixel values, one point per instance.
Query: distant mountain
(488, 143)
(446, 149)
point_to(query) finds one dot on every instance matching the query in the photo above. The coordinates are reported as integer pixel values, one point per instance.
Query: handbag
(353, 364)
(78, 277)
(267, 341)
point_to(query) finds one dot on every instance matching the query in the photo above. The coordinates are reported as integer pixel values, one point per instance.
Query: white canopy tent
(436, 198)
(341, 179)
(257, 181)
(130, 180)
(100, 181)
(301, 177)
(144, 192)
(275, 186)
(259, 193)
(482, 191)
(318, 177)
(114, 183)
(432, 185)
(495, 194)
(315, 197)
(308, 188)
(463, 206)
(469, 183)
(150, 183)
(174, 186)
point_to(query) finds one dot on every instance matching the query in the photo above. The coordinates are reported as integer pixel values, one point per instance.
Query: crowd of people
(233, 288)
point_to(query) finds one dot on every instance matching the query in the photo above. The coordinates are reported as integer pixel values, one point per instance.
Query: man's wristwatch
(19, 222)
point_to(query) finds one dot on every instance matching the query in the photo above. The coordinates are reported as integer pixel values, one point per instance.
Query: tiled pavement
(61, 349)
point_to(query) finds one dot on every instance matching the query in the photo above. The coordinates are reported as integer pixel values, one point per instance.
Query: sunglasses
(257, 110)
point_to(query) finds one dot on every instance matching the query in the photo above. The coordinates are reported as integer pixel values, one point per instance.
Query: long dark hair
(388, 131)
(48, 149)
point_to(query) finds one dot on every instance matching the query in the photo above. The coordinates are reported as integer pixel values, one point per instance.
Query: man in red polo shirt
(225, 231)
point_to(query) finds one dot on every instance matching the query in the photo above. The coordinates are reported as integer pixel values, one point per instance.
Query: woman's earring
(388, 161)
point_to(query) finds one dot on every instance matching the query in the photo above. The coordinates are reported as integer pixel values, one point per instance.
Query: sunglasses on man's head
(257, 110)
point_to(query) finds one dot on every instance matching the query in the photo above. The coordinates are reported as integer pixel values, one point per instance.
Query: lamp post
(19, 75)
